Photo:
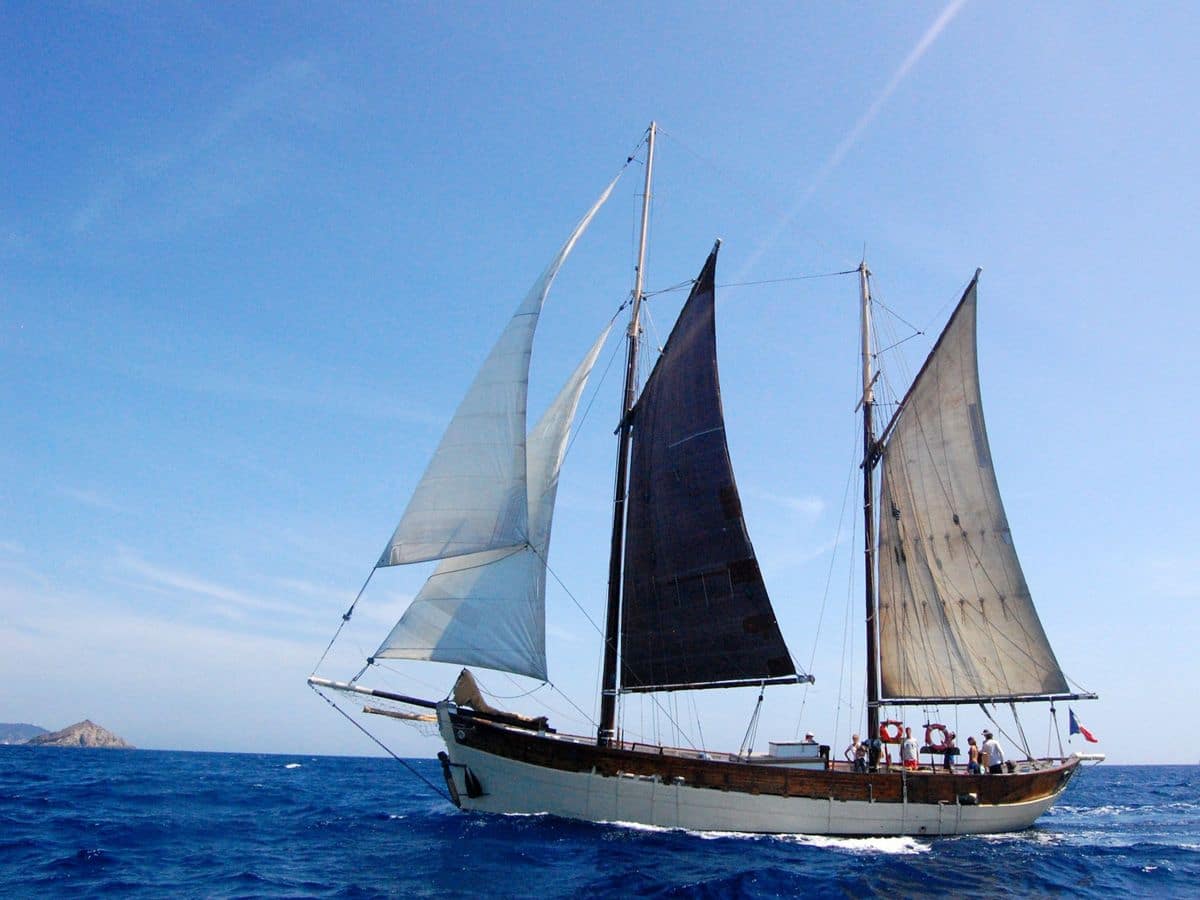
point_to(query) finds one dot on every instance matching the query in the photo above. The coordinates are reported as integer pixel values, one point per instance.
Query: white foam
(898, 846)
(1112, 810)
(891, 846)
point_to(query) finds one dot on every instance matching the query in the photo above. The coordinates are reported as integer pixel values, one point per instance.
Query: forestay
(695, 611)
(488, 609)
(473, 495)
(956, 620)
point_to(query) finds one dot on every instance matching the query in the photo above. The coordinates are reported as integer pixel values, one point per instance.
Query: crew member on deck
(857, 754)
(908, 750)
(995, 754)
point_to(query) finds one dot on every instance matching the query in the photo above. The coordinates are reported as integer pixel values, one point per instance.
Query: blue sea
(139, 823)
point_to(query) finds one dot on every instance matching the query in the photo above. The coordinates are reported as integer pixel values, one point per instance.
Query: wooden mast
(870, 455)
(612, 622)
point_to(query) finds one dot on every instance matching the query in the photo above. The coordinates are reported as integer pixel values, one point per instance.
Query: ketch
(949, 617)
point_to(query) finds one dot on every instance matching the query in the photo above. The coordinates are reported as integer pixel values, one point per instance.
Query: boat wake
(892, 846)
(896, 846)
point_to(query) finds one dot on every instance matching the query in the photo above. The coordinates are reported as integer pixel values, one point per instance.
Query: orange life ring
(893, 736)
(945, 739)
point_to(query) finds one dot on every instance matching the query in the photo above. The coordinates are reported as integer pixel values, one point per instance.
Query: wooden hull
(495, 768)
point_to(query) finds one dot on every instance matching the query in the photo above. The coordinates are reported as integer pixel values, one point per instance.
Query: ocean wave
(1091, 811)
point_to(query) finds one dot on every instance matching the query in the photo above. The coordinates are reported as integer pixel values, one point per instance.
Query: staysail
(956, 620)
(694, 610)
(488, 609)
(473, 495)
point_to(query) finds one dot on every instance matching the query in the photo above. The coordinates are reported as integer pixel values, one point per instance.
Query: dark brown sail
(695, 611)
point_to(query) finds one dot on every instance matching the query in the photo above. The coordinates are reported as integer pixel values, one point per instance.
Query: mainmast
(612, 623)
(870, 457)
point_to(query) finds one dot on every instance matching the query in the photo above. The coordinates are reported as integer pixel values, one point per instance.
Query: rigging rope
(728, 284)
(752, 728)
(787, 278)
(434, 689)
(562, 584)
(1078, 686)
(1055, 729)
(560, 693)
(496, 696)
(345, 618)
(894, 314)
(382, 745)
(696, 717)
(1021, 730)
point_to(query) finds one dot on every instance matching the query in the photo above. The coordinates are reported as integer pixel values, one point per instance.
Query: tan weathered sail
(956, 620)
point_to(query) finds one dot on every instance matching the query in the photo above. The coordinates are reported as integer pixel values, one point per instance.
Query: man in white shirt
(908, 750)
(995, 754)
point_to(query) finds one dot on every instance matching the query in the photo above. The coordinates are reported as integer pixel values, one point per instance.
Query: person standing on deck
(857, 754)
(995, 754)
(972, 756)
(908, 750)
(850, 751)
(874, 754)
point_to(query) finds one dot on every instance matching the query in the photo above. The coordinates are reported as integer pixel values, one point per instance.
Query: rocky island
(82, 734)
(18, 732)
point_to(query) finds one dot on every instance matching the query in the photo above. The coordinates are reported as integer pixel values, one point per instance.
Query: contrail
(848, 142)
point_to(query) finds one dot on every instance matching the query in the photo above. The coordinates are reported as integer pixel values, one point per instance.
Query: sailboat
(948, 614)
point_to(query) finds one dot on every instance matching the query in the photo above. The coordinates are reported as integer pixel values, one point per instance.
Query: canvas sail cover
(955, 617)
(473, 495)
(488, 609)
(694, 611)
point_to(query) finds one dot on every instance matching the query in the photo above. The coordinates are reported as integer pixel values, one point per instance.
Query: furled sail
(488, 609)
(694, 610)
(473, 495)
(956, 620)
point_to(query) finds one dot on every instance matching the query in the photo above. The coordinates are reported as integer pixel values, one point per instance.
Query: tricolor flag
(1076, 728)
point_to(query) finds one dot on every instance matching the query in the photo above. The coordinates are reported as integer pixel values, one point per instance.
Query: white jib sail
(473, 495)
(488, 609)
(955, 616)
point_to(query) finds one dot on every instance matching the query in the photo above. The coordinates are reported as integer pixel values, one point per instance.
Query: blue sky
(251, 256)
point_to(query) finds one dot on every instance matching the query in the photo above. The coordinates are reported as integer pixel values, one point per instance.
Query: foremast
(612, 621)
(870, 457)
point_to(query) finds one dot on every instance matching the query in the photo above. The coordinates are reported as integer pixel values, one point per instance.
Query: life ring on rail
(945, 739)
(891, 731)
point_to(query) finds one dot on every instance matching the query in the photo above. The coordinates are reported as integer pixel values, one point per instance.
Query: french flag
(1076, 728)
